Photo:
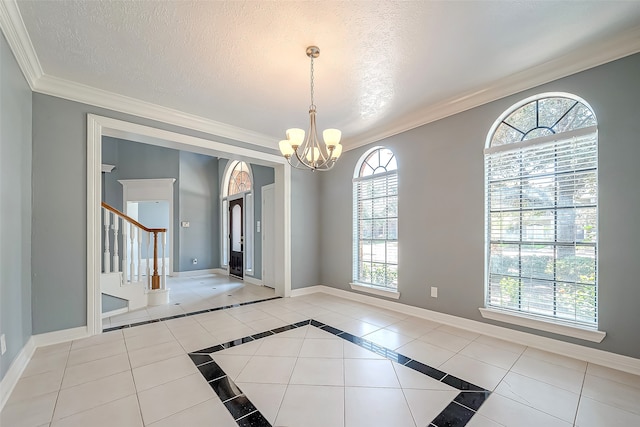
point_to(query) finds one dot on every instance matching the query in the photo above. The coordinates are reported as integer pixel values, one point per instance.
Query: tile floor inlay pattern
(177, 316)
(310, 375)
(457, 413)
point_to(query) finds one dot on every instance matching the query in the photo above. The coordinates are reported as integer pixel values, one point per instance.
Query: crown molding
(597, 53)
(72, 91)
(18, 39)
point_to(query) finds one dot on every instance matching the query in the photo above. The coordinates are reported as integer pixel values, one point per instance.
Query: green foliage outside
(574, 294)
(379, 275)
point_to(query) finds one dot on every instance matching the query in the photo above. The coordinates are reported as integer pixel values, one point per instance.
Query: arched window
(237, 184)
(375, 219)
(541, 175)
(239, 179)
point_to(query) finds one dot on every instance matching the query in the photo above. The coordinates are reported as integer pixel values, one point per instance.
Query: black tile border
(193, 313)
(456, 414)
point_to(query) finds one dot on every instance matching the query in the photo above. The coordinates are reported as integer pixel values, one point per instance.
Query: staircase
(133, 276)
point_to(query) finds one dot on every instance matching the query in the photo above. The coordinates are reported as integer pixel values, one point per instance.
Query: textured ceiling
(243, 63)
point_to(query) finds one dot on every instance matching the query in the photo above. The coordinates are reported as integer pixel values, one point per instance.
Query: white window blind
(542, 227)
(376, 229)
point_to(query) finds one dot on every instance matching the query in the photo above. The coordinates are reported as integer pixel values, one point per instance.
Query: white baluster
(116, 257)
(132, 230)
(107, 256)
(139, 255)
(125, 266)
(148, 263)
(163, 275)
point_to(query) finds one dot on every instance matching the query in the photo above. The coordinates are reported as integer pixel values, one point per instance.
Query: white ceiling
(384, 67)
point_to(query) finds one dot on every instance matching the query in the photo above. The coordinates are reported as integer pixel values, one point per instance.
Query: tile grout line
(449, 414)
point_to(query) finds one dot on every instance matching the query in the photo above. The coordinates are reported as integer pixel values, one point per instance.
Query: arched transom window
(239, 179)
(541, 174)
(375, 220)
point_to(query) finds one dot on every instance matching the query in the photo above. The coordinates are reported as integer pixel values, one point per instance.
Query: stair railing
(118, 226)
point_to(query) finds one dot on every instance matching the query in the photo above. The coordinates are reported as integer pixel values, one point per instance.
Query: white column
(107, 254)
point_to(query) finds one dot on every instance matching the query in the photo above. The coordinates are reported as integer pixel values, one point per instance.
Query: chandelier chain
(312, 106)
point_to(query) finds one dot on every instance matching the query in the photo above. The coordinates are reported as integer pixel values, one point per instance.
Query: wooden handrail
(133, 221)
(155, 278)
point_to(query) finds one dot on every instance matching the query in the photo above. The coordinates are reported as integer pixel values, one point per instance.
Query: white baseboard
(16, 369)
(23, 358)
(58, 337)
(194, 273)
(575, 351)
(253, 280)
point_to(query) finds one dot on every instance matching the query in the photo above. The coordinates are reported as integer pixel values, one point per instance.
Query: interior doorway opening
(98, 126)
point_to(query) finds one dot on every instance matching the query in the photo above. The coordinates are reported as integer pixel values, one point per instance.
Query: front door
(236, 238)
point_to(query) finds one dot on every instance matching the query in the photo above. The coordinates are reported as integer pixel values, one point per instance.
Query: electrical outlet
(195, 261)
(3, 344)
(434, 292)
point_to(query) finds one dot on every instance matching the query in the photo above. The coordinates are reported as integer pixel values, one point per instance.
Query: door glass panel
(236, 232)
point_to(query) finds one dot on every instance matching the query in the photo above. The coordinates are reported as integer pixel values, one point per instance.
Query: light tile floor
(143, 376)
(189, 294)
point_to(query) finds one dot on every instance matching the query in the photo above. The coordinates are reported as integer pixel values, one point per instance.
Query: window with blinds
(375, 228)
(541, 171)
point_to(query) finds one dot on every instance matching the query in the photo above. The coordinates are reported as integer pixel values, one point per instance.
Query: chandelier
(309, 153)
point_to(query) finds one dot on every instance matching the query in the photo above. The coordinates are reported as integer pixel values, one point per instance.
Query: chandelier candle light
(309, 153)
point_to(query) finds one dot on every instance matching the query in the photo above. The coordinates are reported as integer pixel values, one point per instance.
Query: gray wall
(441, 206)
(307, 227)
(15, 207)
(199, 204)
(154, 214)
(110, 303)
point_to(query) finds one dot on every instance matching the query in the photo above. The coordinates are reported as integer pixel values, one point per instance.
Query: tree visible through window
(541, 175)
(375, 239)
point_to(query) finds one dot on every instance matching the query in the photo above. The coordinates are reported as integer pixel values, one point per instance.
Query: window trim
(371, 288)
(504, 314)
(541, 324)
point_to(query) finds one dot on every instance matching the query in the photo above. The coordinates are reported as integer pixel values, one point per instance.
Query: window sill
(387, 293)
(541, 325)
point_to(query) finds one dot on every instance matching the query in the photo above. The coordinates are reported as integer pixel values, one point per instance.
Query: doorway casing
(99, 126)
